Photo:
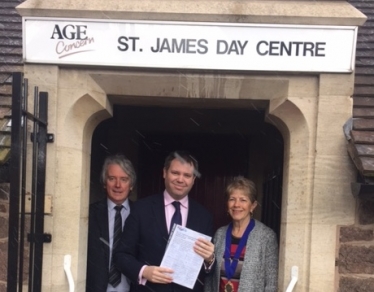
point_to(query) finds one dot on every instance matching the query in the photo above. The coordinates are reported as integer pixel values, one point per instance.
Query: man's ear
(164, 171)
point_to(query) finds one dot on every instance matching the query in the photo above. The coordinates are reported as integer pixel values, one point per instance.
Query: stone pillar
(76, 106)
(295, 118)
(315, 200)
(332, 202)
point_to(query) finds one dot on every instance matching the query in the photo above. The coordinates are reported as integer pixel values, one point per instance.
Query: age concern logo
(72, 38)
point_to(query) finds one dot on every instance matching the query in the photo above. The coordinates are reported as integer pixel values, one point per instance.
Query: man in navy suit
(118, 178)
(147, 229)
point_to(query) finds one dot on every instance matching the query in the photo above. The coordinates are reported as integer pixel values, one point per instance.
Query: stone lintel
(235, 88)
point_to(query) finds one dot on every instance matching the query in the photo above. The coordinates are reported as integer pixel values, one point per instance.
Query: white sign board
(213, 46)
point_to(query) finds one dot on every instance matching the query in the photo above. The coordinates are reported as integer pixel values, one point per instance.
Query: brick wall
(355, 262)
(356, 252)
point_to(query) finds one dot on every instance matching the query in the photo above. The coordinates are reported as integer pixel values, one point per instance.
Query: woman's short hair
(244, 184)
(122, 162)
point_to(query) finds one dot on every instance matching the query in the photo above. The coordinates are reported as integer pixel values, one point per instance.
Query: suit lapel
(104, 229)
(159, 214)
(192, 220)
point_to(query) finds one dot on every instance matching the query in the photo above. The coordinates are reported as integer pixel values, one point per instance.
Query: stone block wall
(356, 252)
(4, 207)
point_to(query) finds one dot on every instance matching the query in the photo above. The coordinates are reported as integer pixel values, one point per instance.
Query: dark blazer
(145, 237)
(97, 277)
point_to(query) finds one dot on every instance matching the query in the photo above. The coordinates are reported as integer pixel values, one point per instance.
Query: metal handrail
(69, 275)
(294, 278)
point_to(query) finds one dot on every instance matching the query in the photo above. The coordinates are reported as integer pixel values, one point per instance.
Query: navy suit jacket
(145, 237)
(98, 252)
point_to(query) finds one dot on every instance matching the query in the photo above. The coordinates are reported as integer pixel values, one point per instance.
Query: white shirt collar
(111, 205)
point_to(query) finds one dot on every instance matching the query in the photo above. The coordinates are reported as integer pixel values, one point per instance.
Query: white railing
(69, 275)
(294, 278)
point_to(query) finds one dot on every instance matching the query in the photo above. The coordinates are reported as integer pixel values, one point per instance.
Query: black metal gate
(26, 227)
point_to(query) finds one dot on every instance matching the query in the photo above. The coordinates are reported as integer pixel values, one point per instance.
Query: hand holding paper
(158, 274)
(204, 248)
(181, 257)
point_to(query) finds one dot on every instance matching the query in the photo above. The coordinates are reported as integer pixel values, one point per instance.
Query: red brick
(356, 284)
(3, 261)
(354, 233)
(3, 227)
(356, 259)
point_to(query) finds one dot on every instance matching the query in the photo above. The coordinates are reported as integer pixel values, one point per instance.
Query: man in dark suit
(105, 218)
(147, 229)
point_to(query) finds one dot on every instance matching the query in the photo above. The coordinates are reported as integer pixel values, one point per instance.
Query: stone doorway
(298, 107)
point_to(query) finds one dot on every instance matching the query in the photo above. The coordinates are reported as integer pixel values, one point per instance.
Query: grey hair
(122, 162)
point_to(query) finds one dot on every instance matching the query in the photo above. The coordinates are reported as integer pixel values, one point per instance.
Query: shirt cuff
(208, 266)
(142, 281)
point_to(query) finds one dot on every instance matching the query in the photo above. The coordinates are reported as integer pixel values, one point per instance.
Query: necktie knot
(118, 208)
(177, 205)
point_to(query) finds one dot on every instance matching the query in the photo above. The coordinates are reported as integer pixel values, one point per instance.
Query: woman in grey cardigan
(246, 250)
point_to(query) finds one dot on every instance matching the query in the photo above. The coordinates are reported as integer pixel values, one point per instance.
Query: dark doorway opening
(227, 142)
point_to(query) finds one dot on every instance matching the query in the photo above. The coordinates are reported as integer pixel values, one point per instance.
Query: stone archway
(192, 90)
(299, 106)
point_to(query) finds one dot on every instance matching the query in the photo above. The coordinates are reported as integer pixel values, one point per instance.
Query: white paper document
(180, 256)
